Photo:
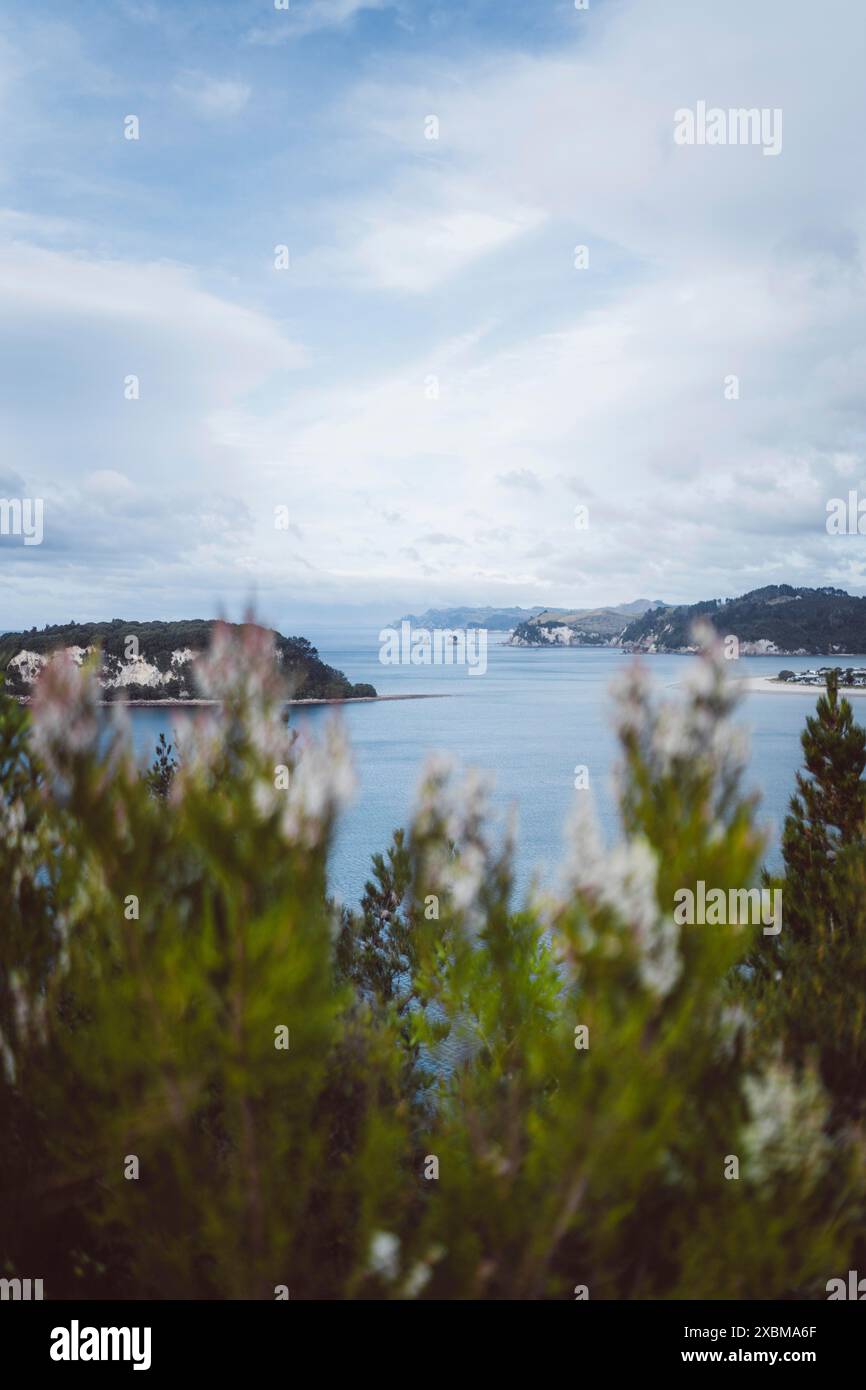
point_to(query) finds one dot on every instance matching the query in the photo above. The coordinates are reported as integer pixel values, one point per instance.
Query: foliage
(307, 676)
(810, 988)
(160, 775)
(440, 1124)
(823, 620)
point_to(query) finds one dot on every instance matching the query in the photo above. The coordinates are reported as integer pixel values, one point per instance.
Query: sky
(409, 412)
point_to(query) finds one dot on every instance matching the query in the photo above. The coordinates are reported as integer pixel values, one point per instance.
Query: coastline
(755, 685)
(196, 703)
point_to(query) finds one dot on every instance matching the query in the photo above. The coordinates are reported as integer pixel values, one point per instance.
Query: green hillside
(308, 677)
(796, 620)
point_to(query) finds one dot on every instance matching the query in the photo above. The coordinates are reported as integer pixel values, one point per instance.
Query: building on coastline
(850, 676)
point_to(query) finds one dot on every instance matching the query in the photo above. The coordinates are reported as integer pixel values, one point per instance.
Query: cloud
(454, 259)
(420, 237)
(212, 97)
(439, 538)
(303, 17)
(141, 11)
(521, 477)
(419, 253)
(129, 485)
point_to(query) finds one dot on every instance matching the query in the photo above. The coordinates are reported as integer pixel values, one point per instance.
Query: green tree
(160, 774)
(827, 811)
(810, 986)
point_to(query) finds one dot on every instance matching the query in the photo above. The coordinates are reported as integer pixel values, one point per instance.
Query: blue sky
(432, 387)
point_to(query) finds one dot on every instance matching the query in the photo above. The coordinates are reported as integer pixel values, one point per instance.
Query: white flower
(785, 1132)
(65, 712)
(733, 1020)
(9, 1068)
(418, 1280)
(630, 694)
(321, 782)
(453, 814)
(467, 874)
(384, 1255)
(239, 666)
(454, 807)
(624, 880)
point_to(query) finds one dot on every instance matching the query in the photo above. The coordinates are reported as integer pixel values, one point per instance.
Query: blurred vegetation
(214, 1082)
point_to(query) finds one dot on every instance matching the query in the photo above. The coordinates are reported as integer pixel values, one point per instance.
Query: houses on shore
(850, 676)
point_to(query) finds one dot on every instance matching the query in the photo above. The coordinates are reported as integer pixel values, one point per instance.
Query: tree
(810, 986)
(160, 774)
(827, 812)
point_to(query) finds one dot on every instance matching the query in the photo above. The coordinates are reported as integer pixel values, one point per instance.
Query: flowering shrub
(214, 1084)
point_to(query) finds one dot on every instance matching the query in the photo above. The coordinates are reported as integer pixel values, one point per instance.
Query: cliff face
(153, 661)
(115, 674)
(588, 627)
(561, 635)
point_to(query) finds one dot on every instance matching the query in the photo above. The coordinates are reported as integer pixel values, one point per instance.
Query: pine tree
(811, 985)
(160, 774)
(827, 812)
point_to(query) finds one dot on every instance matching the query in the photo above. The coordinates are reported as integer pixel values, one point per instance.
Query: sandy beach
(752, 685)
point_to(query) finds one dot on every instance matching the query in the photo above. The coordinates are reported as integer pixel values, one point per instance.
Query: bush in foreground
(214, 1084)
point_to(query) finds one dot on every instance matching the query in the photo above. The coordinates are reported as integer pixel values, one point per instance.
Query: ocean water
(526, 723)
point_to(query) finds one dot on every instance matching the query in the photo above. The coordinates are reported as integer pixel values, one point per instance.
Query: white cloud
(309, 16)
(454, 260)
(73, 328)
(212, 97)
(419, 252)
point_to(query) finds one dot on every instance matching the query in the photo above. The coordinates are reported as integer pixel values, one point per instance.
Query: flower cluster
(623, 881)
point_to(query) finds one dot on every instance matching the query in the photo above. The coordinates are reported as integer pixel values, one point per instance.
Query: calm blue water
(528, 721)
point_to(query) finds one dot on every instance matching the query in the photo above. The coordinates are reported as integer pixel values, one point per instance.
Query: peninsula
(154, 662)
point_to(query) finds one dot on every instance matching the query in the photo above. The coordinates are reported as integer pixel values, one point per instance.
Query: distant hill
(640, 606)
(589, 627)
(778, 620)
(165, 666)
(511, 619)
(494, 619)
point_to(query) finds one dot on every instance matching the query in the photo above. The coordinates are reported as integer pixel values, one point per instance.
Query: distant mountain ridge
(509, 619)
(164, 666)
(494, 619)
(590, 627)
(777, 620)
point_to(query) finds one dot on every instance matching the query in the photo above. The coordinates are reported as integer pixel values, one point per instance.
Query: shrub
(159, 949)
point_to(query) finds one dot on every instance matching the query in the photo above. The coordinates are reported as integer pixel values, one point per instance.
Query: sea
(527, 723)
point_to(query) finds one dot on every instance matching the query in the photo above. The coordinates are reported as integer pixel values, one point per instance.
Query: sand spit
(753, 685)
(207, 704)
